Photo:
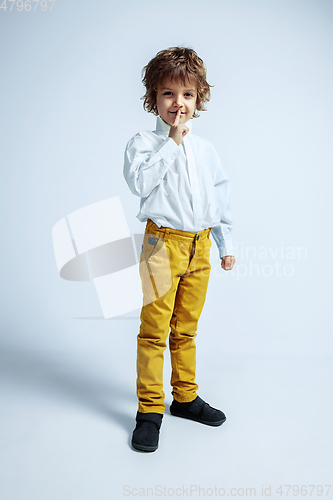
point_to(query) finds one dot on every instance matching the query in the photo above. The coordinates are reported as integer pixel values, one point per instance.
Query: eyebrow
(186, 90)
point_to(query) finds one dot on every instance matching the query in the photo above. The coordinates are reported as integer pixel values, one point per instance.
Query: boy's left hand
(227, 263)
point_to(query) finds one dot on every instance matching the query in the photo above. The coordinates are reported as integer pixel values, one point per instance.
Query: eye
(167, 93)
(188, 94)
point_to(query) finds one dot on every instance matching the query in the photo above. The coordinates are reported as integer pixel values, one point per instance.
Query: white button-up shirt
(182, 187)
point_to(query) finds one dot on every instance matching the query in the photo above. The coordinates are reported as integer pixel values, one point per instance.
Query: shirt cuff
(226, 249)
(169, 150)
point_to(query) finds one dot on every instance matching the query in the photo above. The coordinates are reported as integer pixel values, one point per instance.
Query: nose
(178, 102)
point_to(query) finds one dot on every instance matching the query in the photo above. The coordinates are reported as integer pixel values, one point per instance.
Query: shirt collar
(163, 127)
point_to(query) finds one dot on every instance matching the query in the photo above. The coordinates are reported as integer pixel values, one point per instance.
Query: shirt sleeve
(222, 232)
(146, 162)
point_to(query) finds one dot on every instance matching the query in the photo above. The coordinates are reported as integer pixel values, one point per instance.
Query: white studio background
(70, 101)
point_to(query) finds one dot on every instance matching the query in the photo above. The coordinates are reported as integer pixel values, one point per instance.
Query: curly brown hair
(176, 64)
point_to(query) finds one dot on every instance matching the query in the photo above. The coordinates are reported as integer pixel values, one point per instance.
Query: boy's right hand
(177, 130)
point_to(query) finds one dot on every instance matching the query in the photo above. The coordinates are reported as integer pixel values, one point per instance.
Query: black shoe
(198, 410)
(147, 430)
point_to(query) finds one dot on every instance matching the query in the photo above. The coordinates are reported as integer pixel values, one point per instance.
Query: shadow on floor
(67, 378)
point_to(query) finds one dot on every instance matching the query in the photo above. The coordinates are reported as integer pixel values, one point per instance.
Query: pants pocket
(152, 243)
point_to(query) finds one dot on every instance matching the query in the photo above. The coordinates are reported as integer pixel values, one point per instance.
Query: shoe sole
(142, 447)
(213, 424)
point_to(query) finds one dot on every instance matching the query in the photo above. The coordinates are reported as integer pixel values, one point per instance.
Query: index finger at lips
(176, 122)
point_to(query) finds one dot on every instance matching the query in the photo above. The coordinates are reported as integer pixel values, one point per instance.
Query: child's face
(171, 96)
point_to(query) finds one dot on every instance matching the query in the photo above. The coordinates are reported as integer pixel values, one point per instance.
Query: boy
(184, 197)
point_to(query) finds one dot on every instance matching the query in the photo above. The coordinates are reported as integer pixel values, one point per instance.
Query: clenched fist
(177, 130)
(227, 263)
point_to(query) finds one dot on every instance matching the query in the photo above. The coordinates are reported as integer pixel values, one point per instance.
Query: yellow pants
(174, 270)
